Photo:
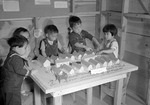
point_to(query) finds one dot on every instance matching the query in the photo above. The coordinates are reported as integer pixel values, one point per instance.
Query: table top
(81, 81)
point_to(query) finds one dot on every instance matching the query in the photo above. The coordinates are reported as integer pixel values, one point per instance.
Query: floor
(80, 99)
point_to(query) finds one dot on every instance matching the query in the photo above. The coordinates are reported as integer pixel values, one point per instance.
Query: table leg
(37, 95)
(89, 96)
(57, 100)
(118, 92)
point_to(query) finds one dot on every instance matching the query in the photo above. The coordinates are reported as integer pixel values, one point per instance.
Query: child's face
(108, 35)
(77, 28)
(25, 34)
(52, 36)
(22, 50)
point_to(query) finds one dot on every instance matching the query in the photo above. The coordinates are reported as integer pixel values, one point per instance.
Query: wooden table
(81, 82)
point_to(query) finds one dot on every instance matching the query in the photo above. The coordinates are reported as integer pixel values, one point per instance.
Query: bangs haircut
(18, 40)
(19, 30)
(50, 29)
(74, 20)
(110, 28)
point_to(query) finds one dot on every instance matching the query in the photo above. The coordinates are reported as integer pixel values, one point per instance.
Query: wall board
(29, 9)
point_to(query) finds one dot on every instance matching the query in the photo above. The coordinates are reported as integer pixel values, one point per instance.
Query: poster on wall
(11, 5)
(60, 4)
(42, 2)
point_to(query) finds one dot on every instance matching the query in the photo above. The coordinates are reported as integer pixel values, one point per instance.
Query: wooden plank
(37, 95)
(89, 96)
(124, 27)
(118, 92)
(57, 100)
(103, 18)
(138, 44)
(145, 5)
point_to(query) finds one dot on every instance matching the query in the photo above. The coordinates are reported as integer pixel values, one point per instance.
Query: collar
(50, 42)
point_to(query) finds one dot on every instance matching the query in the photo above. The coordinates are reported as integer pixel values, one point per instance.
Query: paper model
(41, 59)
(62, 56)
(95, 63)
(72, 57)
(89, 56)
(67, 69)
(77, 56)
(101, 61)
(57, 71)
(87, 66)
(78, 67)
(114, 59)
(60, 62)
(98, 70)
(109, 61)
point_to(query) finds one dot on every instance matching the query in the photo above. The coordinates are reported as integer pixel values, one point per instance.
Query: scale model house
(114, 59)
(101, 61)
(41, 59)
(67, 69)
(72, 57)
(57, 71)
(62, 77)
(87, 66)
(89, 56)
(60, 62)
(78, 67)
(77, 55)
(109, 61)
(98, 70)
(62, 56)
(54, 57)
(95, 63)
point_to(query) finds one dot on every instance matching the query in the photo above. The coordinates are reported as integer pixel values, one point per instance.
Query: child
(15, 70)
(22, 31)
(50, 45)
(109, 44)
(77, 36)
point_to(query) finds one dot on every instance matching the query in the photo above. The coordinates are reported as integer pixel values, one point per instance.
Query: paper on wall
(11, 5)
(60, 4)
(42, 2)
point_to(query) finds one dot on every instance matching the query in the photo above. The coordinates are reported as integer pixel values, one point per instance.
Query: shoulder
(14, 58)
(72, 35)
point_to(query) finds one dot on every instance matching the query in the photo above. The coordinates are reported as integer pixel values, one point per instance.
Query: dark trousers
(13, 98)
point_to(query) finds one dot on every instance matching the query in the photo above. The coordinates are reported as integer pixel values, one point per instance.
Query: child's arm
(62, 49)
(83, 46)
(108, 51)
(113, 47)
(96, 42)
(42, 48)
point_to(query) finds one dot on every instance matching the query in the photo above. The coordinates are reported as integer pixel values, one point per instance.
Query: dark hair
(50, 29)
(110, 28)
(73, 20)
(19, 30)
(18, 40)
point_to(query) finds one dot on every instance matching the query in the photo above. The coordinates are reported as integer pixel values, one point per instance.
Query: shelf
(136, 15)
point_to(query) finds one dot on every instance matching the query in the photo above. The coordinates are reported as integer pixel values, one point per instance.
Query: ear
(46, 35)
(17, 49)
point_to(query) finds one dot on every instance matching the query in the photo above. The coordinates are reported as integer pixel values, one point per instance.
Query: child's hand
(99, 52)
(89, 49)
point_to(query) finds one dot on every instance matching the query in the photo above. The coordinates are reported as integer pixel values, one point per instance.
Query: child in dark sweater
(15, 68)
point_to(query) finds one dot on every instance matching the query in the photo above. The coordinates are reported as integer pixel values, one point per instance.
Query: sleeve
(114, 45)
(73, 39)
(59, 45)
(42, 47)
(18, 65)
(87, 35)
